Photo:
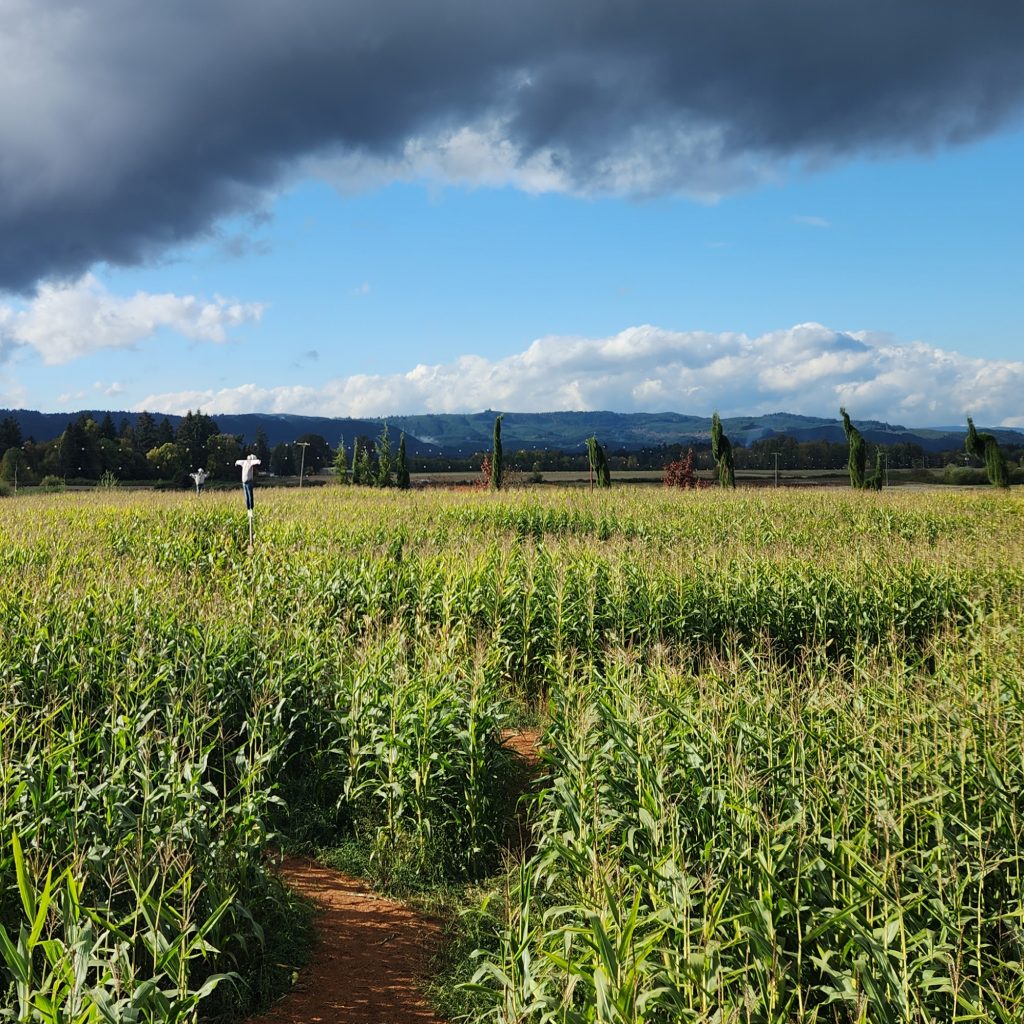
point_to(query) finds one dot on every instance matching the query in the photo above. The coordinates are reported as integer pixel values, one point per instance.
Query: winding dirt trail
(369, 960)
(371, 953)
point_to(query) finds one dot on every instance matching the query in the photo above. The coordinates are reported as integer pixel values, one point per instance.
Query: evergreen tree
(356, 464)
(340, 463)
(194, 434)
(107, 428)
(858, 452)
(318, 452)
(261, 447)
(146, 438)
(78, 450)
(401, 465)
(164, 432)
(721, 452)
(224, 450)
(282, 460)
(877, 478)
(10, 434)
(496, 457)
(986, 448)
(598, 463)
(366, 475)
(384, 458)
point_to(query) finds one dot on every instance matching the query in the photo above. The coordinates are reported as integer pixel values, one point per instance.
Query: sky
(383, 207)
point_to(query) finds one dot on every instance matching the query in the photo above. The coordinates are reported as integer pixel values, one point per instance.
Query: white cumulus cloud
(67, 320)
(809, 369)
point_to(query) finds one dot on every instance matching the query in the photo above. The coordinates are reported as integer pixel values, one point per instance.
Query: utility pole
(302, 464)
(885, 455)
(776, 454)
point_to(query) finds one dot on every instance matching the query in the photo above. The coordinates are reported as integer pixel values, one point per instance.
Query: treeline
(150, 450)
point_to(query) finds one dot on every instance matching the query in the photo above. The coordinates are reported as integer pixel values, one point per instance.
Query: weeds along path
(369, 958)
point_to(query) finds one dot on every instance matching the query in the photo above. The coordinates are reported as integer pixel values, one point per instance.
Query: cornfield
(783, 759)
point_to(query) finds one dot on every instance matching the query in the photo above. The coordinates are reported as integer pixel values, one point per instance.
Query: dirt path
(368, 961)
(524, 742)
(371, 953)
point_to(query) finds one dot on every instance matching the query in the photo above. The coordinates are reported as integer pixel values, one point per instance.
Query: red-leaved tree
(681, 473)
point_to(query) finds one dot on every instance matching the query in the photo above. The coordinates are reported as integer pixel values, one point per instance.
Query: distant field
(783, 749)
(744, 478)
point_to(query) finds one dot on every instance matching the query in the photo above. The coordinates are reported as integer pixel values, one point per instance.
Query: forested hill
(567, 431)
(452, 433)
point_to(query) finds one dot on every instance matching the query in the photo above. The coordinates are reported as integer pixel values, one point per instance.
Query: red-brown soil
(369, 959)
(371, 953)
(524, 742)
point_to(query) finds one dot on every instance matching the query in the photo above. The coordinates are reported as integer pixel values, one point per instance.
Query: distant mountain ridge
(452, 433)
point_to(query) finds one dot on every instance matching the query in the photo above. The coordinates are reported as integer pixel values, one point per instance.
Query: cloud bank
(66, 321)
(808, 369)
(127, 128)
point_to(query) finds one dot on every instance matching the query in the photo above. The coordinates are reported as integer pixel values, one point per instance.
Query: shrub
(681, 473)
(961, 476)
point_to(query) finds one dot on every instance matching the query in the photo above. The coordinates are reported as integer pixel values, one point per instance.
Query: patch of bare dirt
(370, 956)
(525, 743)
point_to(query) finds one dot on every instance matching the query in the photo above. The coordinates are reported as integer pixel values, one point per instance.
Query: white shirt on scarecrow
(247, 464)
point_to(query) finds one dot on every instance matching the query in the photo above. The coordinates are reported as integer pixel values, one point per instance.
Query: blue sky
(465, 272)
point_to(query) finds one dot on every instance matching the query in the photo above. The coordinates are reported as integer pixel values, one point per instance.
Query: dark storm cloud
(127, 127)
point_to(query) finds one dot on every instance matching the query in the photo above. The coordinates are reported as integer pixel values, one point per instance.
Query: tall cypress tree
(598, 462)
(341, 463)
(986, 448)
(401, 466)
(366, 475)
(858, 452)
(357, 464)
(496, 456)
(877, 478)
(384, 458)
(721, 451)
